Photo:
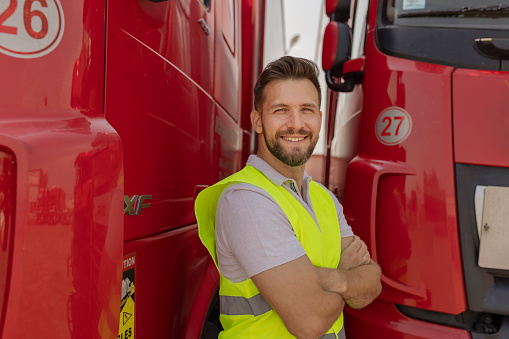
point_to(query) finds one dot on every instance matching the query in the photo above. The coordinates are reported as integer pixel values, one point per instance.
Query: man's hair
(286, 68)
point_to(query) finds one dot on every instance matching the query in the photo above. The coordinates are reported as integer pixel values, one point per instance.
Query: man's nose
(295, 119)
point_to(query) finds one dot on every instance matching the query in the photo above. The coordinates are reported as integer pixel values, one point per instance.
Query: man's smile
(294, 139)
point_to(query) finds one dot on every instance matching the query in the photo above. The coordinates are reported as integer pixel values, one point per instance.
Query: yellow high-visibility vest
(244, 311)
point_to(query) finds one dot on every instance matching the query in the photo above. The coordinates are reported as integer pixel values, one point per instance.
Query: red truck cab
(419, 156)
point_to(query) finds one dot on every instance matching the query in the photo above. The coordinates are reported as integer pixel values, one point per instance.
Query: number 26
(28, 15)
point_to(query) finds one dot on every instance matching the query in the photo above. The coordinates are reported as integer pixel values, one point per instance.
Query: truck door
(159, 82)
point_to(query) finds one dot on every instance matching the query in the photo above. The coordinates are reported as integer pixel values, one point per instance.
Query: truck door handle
(493, 47)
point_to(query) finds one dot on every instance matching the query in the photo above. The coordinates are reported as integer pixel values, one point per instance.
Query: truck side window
(389, 11)
(206, 4)
(359, 26)
(228, 23)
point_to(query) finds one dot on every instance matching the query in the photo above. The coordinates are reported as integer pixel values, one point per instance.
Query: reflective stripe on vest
(256, 305)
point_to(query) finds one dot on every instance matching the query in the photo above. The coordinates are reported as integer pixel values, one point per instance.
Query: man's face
(290, 120)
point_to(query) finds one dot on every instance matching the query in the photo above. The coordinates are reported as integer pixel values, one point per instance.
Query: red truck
(145, 101)
(418, 153)
(56, 204)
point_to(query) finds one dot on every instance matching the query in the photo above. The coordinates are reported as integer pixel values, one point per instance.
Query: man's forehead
(279, 90)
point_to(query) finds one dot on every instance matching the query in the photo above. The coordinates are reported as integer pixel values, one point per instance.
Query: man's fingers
(363, 245)
(363, 251)
(366, 259)
(356, 244)
(355, 254)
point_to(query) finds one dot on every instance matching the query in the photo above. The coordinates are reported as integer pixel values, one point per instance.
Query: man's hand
(358, 286)
(357, 278)
(355, 254)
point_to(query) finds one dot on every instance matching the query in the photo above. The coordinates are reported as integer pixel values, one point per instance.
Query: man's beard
(295, 157)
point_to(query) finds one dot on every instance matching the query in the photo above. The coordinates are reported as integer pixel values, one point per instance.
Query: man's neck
(295, 173)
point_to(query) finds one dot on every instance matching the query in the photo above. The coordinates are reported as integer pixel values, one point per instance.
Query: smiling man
(289, 137)
(288, 261)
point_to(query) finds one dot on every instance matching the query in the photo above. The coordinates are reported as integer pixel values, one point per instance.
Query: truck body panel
(151, 96)
(480, 117)
(53, 125)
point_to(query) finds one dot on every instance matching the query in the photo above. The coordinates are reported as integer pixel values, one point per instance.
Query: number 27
(389, 122)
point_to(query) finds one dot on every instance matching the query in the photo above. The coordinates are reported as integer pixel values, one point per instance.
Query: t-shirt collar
(274, 176)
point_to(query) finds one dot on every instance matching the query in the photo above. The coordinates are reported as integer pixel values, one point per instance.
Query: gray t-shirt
(253, 233)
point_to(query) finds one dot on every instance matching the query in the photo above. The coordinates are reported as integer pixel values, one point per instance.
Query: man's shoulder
(244, 191)
(241, 187)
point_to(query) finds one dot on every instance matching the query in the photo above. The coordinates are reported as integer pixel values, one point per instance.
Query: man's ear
(256, 121)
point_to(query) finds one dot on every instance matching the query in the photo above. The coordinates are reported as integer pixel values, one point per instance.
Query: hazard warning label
(127, 309)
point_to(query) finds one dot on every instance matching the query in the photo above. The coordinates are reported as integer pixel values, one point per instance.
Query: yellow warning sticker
(127, 309)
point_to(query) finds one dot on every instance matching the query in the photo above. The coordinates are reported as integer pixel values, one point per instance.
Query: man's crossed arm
(357, 278)
(310, 299)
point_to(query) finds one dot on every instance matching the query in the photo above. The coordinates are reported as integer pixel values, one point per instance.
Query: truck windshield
(448, 13)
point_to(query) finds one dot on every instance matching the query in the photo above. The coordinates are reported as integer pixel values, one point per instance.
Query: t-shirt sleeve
(252, 233)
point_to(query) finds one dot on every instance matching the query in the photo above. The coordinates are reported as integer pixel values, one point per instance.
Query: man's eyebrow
(309, 105)
(277, 105)
(301, 105)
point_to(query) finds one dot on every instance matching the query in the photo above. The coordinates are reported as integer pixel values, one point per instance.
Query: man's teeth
(293, 139)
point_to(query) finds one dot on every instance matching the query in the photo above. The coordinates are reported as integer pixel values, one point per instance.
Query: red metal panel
(382, 320)
(481, 117)
(175, 136)
(65, 266)
(170, 269)
(251, 28)
(227, 58)
(70, 75)
(400, 198)
(67, 249)
(166, 122)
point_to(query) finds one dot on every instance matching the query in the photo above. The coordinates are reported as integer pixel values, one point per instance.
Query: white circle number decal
(393, 126)
(30, 28)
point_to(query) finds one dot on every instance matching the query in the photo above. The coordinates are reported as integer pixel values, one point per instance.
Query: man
(287, 259)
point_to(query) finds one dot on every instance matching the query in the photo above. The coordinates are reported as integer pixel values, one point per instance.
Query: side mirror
(335, 58)
(337, 42)
(336, 47)
(338, 10)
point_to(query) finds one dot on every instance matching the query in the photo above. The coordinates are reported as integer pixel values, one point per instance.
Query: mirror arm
(351, 79)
